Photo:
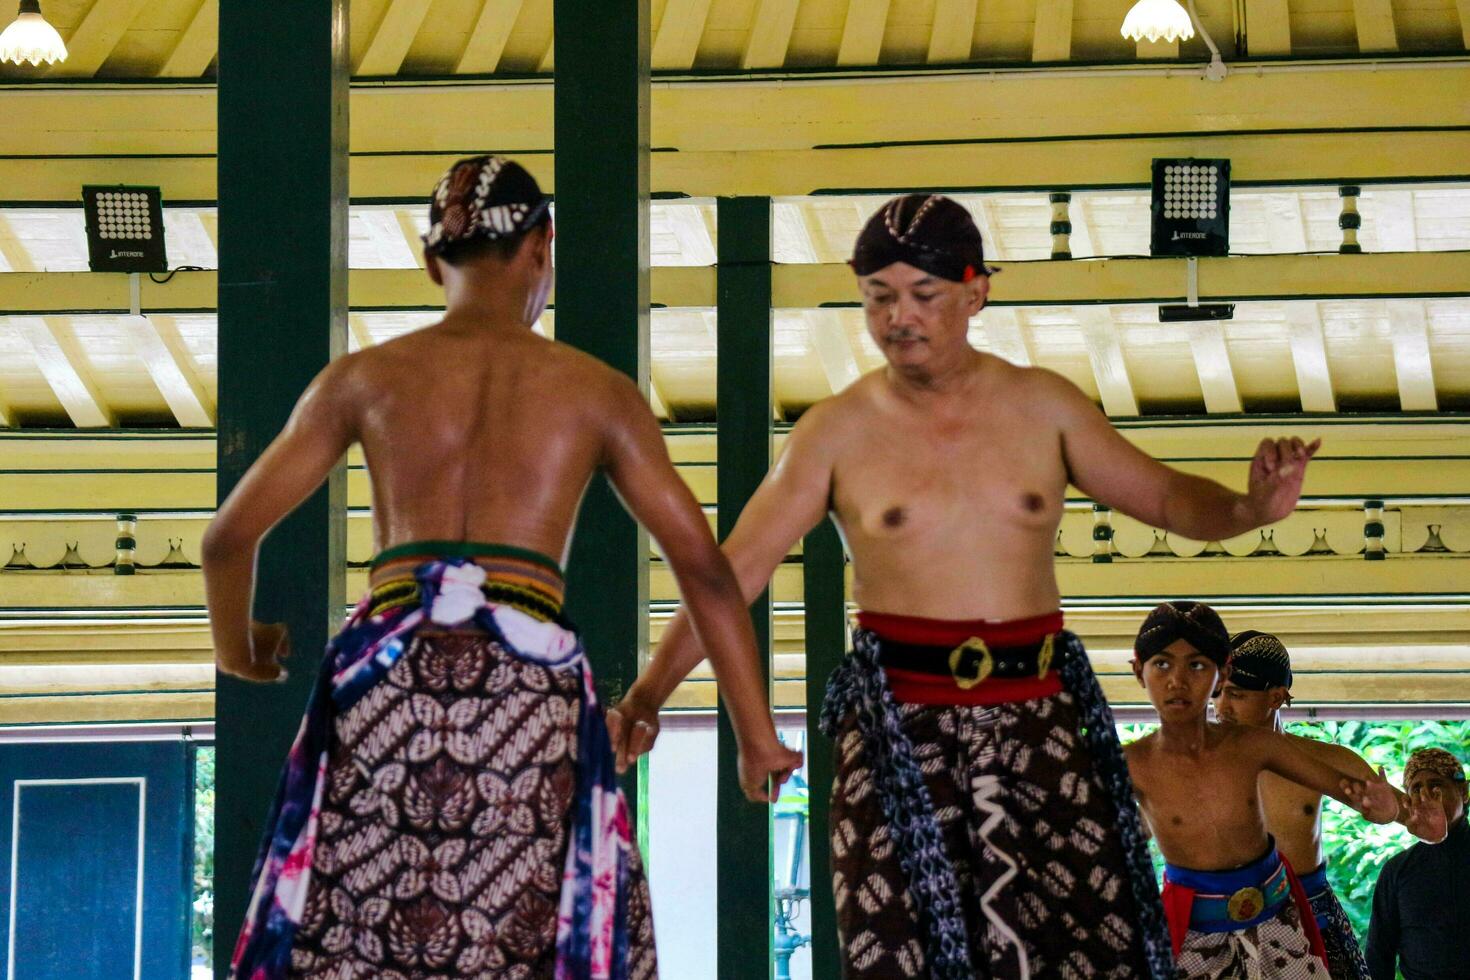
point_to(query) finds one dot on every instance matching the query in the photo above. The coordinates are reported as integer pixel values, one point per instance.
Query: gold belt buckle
(1246, 904)
(1044, 656)
(970, 650)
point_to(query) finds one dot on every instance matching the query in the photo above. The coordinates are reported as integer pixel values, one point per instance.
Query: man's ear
(1220, 684)
(1280, 696)
(978, 290)
(431, 266)
(1138, 669)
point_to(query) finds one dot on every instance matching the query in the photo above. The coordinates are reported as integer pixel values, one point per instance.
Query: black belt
(972, 661)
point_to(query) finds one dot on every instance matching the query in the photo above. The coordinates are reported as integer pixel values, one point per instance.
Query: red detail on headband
(970, 273)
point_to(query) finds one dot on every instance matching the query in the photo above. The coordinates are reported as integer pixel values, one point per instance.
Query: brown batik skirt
(1276, 949)
(443, 828)
(1028, 828)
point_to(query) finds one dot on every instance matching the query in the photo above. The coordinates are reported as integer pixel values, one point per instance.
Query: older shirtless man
(1256, 689)
(983, 821)
(450, 807)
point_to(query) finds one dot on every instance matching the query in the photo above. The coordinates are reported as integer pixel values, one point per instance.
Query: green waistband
(463, 549)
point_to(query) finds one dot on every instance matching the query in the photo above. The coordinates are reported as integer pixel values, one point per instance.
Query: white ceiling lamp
(1166, 20)
(30, 38)
(1158, 20)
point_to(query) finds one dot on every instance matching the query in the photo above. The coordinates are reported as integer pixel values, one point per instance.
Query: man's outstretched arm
(1117, 474)
(789, 502)
(295, 464)
(638, 464)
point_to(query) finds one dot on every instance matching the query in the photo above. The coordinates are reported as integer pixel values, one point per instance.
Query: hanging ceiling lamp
(30, 38)
(1158, 20)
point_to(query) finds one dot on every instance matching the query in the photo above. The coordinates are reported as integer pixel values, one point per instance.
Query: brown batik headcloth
(484, 198)
(1194, 622)
(927, 231)
(1259, 661)
(1437, 761)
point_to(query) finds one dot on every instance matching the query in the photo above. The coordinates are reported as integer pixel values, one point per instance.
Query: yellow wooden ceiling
(176, 38)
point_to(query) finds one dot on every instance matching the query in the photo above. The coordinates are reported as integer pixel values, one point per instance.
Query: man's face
(1179, 680)
(914, 316)
(1452, 794)
(1245, 707)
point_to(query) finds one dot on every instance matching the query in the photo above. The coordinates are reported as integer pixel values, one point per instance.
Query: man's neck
(501, 303)
(950, 375)
(1183, 736)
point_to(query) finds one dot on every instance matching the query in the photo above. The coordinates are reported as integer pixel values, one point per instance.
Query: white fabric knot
(459, 595)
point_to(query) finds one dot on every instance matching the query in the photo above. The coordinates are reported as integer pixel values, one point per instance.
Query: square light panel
(1191, 207)
(124, 229)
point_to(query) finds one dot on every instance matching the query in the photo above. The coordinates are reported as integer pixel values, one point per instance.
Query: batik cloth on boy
(983, 823)
(1250, 923)
(1344, 955)
(450, 805)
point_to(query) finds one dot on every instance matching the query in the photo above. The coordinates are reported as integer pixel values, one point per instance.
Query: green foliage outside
(1355, 848)
(203, 931)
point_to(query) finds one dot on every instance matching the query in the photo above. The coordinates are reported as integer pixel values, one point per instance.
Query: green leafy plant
(203, 917)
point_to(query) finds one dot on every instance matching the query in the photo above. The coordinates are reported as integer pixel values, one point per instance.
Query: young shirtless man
(1234, 904)
(982, 820)
(450, 807)
(1257, 688)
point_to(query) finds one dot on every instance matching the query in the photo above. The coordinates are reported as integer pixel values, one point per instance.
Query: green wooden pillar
(824, 591)
(282, 315)
(602, 298)
(744, 405)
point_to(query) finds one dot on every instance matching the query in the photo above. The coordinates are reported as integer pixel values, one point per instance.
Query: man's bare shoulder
(1046, 390)
(1139, 748)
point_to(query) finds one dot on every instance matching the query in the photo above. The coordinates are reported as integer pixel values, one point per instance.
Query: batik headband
(1193, 622)
(484, 198)
(1259, 661)
(927, 231)
(1437, 761)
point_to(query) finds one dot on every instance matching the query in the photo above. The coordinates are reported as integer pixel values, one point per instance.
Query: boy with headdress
(1234, 904)
(1421, 905)
(1258, 686)
(982, 819)
(450, 807)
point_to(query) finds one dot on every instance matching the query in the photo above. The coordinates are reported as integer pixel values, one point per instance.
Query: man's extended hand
(1425, 816)
(764, 768)
(1277, 472)
(633, 726)
(270, 644)
(1374, 798)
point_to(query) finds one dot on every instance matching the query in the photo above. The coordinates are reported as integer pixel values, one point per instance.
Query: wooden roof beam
(1411, 361)
(862, 32)
(1268, 24)
(1108, 366)
(953, 34)
(1212, 363)
(197, 45)
(1051, 37)
(63, 364)
(770, 34)
(392, 38)
(1374, 22)
(157, 341)
(482, 52)
(1006, 335)
(677, 41)
(96, 36)
(833, 347)
(1309, 357)
(13, 249)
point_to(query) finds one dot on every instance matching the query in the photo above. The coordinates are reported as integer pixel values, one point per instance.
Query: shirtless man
(1258, 686)
(1234, 904)
(982, 818)
(412, 835)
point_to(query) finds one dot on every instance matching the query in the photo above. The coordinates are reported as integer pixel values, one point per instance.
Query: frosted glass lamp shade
(1158, 20)
(30, 38)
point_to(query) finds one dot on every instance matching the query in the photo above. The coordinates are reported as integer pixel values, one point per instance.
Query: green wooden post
(743, 400)
(282, 316)
(824, 592)
(602, 299)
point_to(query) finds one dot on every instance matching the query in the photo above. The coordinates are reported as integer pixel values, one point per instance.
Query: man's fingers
(1312, 447)
(642, 738)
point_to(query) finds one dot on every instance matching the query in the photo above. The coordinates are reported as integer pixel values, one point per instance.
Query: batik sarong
(1344, 955)
(1250, 923)
(450, 806)
(986, 840)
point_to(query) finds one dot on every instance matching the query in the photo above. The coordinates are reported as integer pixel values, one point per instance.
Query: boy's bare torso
(949, 506)
(1203, 806)
(478, 434)
(1294, 812)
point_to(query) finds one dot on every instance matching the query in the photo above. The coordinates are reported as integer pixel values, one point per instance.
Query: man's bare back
(481, 435)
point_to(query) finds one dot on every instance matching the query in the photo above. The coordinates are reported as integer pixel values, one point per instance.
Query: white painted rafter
(1109, 369)
(481, 55)
(157, 342)
(62, 363)
(1411, 360)
(953, 34)
(770, 34)
(1006, 335)
(393, 37)
(1212, 363)
(833, 347)
(677, 42)
(862, 32)
(1309, 357)
(197, 44)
